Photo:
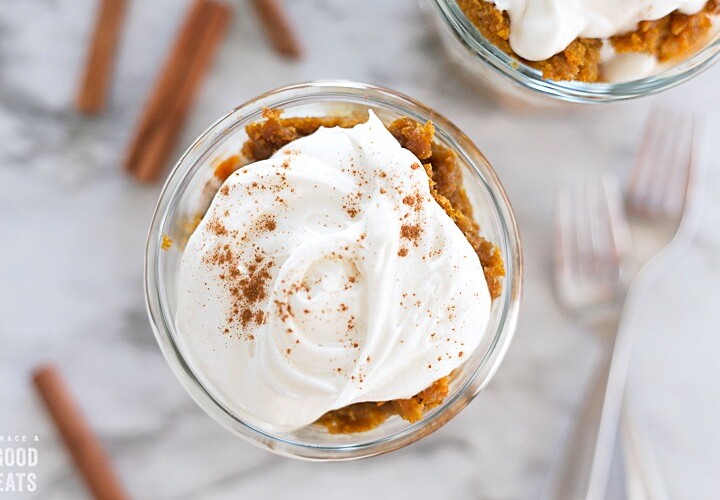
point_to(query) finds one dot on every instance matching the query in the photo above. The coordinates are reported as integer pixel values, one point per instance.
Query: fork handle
(602, 440)
(644, 480)
(588, 459)
(577, 464)
(586, 468)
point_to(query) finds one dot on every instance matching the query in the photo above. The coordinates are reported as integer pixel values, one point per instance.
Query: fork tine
(674, 137)
(609, 226)
(583, 231)
(674, 200)
(646, 156)
(658, 183)
(599, 231)
(667, 142)
(565, 242)
(618, 227)
(589, 245)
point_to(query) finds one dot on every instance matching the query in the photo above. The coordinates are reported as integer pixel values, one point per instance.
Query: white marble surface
(72, 230)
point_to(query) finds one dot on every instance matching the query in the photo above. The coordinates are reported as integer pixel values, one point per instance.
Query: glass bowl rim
(569, 91)
(162, 322)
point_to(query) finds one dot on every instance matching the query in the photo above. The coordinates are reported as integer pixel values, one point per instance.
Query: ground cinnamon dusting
(217, 227)
(413, 200)
(410, 233)
(247, 290)
(268, 223)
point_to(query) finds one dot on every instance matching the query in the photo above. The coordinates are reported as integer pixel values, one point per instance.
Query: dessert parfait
(336, 280)
(591, 40)
(337, 276)
(579, 50)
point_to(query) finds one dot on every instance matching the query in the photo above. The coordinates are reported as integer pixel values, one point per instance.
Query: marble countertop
(73, 229)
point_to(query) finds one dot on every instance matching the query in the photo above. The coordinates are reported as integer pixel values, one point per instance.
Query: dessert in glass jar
(333, 270)
(579, 51)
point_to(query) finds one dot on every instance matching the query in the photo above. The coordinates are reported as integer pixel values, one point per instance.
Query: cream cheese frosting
(543, 28)
(327, 275)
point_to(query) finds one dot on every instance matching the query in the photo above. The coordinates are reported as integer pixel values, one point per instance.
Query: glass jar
(517, 83)
(189, 191)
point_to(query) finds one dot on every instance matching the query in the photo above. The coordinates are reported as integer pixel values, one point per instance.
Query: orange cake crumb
(227, 167)
(166, 242)
(361, 417)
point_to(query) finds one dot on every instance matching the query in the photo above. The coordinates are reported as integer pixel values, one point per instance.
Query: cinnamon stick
(168, 82)
(81, 442)
(93, 90)
(278, 27)
(159, 148)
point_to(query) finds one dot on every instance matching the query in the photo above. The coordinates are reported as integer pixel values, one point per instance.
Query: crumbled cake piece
(166, 242)
(227, 167)
(360, 417)
(672, 37)
(447, 189)
(266, 137)
(579, 61)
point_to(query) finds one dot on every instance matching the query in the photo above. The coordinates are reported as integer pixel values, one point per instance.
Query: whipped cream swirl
(543, 28)
(328, 275)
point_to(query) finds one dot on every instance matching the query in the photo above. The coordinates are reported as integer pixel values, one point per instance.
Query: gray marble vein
(72, 230)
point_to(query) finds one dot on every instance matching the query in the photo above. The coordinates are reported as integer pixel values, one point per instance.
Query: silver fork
(592, 242)
(592, 272)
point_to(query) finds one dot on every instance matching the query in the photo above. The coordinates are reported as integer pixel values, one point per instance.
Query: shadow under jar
(189, 191)
(516, 83)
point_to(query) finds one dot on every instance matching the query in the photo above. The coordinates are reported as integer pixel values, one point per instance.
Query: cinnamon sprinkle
(268, 223)
(414, 200)
(217, 227)
(247, 290)
(284, 310)
(410, 232)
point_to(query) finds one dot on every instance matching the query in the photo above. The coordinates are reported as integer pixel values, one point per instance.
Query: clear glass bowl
(514, 81)
(188, 192)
